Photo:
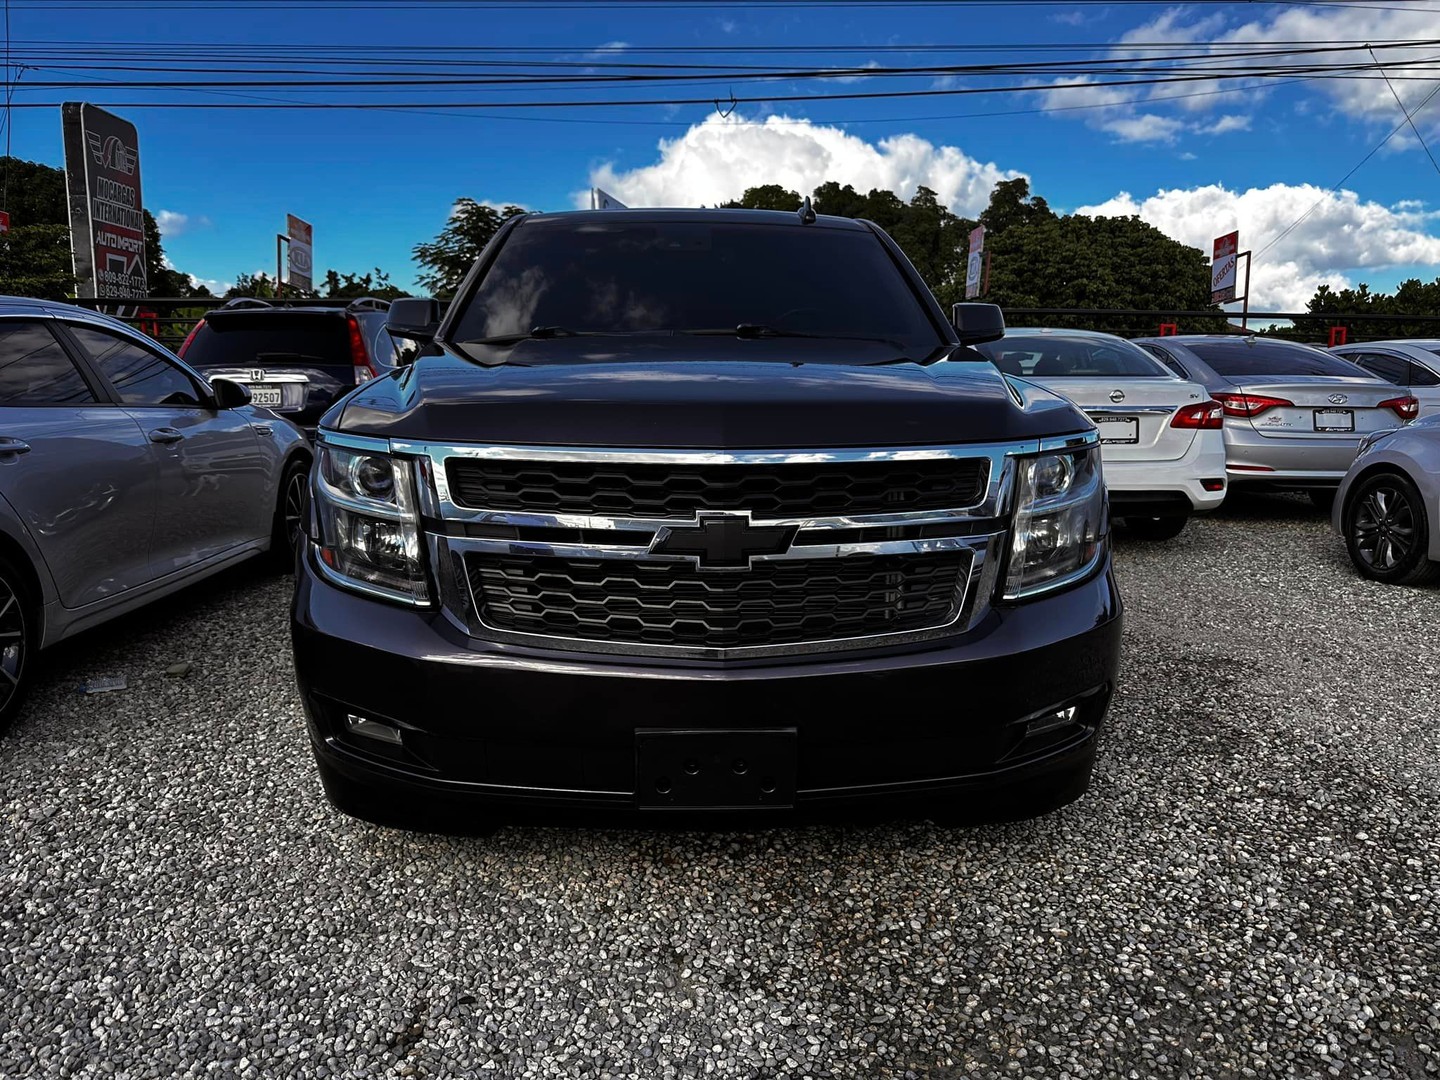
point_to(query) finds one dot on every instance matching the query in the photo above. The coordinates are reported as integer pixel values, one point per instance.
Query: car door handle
(13, 446)
(166, 435)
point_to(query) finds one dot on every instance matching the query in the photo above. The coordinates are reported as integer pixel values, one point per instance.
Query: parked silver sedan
(1387, 503)
(123, 476)
(1413, 364)
(1294, 414)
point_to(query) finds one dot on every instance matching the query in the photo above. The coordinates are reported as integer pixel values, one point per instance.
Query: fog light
(372, 729)
(1051, 721)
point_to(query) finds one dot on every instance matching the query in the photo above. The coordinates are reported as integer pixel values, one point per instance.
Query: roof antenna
(806, 213)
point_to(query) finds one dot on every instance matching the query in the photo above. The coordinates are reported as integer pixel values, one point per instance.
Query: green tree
(36, 193)
(376, 283)
(1348, 306)
(446, 260)
(1011, 204)
(35, 261)
(260, 286)
(765, 197)
(1100, 262)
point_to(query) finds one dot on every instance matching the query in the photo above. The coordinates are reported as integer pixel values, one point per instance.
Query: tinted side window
(139, 375)
(1246, 356)
(1389, 368)
(1422, 376)
(1167, 359)
(35, 370)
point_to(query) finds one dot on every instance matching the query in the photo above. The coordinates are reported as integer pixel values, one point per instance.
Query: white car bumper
(1158, 484)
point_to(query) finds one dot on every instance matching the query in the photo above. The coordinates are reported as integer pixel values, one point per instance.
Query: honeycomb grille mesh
(673, 603)
(645, 490)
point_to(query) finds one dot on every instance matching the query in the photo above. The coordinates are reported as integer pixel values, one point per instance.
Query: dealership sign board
(1222, 268)
(302, 252)
(975, 267)
(107, 215)
(4, 222)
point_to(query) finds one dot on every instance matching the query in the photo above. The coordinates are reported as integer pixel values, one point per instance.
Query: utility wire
(1408, 118)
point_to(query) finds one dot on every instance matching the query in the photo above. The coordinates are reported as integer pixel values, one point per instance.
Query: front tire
(19, 623)
(1157, 528)
(1387, 531)
(291, 506)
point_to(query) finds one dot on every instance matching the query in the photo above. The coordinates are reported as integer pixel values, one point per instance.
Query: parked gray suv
(124, 475)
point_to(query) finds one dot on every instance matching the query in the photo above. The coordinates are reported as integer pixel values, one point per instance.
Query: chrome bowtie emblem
(1337, 399)
(1117, 396)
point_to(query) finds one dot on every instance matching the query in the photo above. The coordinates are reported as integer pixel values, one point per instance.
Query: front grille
(775, 602)
(647, 490)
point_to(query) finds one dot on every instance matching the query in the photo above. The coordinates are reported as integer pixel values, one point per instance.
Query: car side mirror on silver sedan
(229, 394)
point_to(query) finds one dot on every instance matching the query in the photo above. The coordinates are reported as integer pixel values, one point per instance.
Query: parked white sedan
(1413, 364)
(1161, 436)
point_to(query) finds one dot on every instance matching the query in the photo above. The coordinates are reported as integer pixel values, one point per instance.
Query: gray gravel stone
(1249, 890)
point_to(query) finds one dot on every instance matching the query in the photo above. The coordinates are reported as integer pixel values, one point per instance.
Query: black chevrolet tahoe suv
(699, 510)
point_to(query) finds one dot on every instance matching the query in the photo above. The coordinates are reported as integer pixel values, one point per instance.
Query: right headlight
(369, 523)
(1060, 523)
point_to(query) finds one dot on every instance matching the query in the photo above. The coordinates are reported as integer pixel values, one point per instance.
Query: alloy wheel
(1384, 527)
(12, 642)
(294, 508)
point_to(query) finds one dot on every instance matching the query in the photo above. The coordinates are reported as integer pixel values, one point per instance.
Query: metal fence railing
(170, 319)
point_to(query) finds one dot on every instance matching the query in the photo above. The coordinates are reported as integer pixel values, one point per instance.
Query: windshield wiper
(759, 330)
(535, 333)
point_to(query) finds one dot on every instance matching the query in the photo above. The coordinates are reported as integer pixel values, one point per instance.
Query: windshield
(637, 277)
(1066, 356)
(1246, 357)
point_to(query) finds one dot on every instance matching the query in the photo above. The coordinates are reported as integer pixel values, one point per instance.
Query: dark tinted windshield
(1245, 357)
(1061, 355)
(638, 276)
(261, 340)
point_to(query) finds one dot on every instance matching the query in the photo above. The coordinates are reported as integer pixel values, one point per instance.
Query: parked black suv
(297, 361)
(701, 510)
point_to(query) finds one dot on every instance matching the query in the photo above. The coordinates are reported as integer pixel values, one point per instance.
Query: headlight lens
(1060, 521)
(369, 523)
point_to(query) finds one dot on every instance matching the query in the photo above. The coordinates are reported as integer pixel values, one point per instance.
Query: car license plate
(1334, 419)
(1118, 429)
(715, 770)
(268, 397)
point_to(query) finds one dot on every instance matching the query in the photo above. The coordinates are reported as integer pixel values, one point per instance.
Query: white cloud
(1343, 234)
(172, 224)
(215, 285)
(1226, 124)
(718, 159)
(1146, 127)
(610, 48)
(869, 65)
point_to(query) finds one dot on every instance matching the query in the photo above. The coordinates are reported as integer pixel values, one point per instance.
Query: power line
(1408, 118)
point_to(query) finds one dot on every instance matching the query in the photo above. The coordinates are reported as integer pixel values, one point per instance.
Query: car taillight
(1249, 404)
(1407, 408)
(190, 337)
(1207, 416)
(359, 355)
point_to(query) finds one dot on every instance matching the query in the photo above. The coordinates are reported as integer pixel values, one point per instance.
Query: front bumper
(486, 725)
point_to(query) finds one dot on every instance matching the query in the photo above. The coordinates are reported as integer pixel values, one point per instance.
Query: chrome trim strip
(1121, 410)
(352, 442)
(642, 553)
(1070, 442)
(710, 457)
(626, 524)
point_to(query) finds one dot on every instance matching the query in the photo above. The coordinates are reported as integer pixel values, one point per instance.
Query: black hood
(703, 393)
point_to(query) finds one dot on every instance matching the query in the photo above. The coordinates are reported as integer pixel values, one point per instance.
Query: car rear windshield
(686, 276)
(1065, 356)
(1246, 357)
(270, 341)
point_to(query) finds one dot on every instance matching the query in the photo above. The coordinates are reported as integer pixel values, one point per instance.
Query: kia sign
(107, 215)
(975, 267)
(1222, 268)
(301, 252)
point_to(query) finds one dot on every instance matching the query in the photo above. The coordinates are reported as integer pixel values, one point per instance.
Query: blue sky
(374, 183)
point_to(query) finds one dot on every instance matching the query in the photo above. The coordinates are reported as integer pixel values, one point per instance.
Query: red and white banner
(1223, 267)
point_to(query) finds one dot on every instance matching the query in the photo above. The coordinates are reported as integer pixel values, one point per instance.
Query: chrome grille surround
(983, 529)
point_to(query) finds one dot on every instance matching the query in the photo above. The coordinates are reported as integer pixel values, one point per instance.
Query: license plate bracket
(715, 770)
(1334, 419)
(1118, 430)
(268, 397)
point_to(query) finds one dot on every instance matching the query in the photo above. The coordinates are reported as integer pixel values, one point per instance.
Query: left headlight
(369, 523)
(1059, 528)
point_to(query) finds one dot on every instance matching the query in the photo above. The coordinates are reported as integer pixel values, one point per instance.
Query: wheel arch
(1387, 466)
(16, 554)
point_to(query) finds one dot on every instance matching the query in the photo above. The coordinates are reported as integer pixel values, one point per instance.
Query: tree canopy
(1411, 297)
(446, 260)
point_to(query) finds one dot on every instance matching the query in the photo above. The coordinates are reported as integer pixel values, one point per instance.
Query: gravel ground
(1250, 888)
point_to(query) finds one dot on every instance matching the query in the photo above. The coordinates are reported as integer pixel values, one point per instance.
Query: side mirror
(978, 323)
(412, 322)
(229, 394)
